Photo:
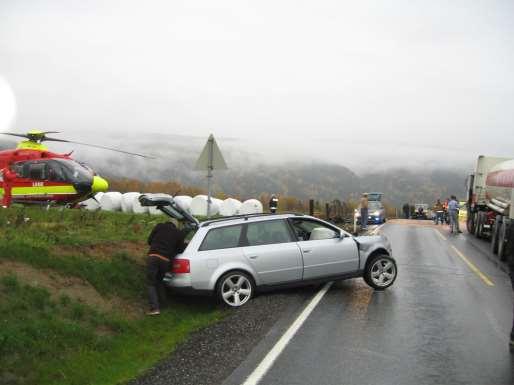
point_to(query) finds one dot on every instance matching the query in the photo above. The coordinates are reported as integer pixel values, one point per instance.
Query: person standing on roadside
(439, 212)
(165, 242)
(445, 209)
(363, 205)
(273, 204)
(453, 211)
(406, 210)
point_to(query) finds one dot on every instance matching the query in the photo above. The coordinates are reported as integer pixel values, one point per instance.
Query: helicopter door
(38, 171)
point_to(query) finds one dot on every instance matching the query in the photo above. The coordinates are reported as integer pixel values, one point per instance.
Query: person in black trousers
(273, 204)
(165, 241)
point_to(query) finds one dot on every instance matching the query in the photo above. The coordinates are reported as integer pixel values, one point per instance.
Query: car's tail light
(180, 266)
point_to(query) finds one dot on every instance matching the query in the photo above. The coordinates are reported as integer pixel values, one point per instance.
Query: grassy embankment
(72, 299)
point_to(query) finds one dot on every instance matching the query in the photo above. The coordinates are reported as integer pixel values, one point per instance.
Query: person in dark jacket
(165, 242)
(273, 204)
(406, 211)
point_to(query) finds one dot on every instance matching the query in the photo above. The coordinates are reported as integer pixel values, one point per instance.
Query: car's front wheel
(235, 288)
(381, 272)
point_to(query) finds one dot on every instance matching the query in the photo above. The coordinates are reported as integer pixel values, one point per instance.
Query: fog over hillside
(250, 174)
(303, 179)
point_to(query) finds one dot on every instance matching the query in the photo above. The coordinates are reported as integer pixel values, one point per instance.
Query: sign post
(210, 159)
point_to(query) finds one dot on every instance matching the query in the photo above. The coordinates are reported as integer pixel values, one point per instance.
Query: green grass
(57, 340)
(65, 342)
(74, 227)
(31, 235)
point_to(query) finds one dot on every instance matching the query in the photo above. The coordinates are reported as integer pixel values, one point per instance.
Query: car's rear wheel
(235, 288)
(380, 272)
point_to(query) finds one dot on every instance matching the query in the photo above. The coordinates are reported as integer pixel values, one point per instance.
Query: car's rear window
(222, 238)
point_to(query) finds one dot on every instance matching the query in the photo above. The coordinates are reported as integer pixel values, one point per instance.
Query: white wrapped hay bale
(216, 203)
(127, 201)
(111, 201)
(230, 206)
(199, 206)
(98, 196)
(90, 204)
(184, 202)
(251, 206)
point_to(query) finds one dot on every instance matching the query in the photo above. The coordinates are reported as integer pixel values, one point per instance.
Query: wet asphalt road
(440, 323)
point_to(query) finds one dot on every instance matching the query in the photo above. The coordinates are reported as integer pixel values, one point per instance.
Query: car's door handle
(306, 250)
(253, 256)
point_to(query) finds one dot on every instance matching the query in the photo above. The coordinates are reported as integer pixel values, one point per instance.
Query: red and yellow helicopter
(31, 174)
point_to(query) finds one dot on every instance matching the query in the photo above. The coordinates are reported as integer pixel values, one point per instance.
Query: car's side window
(268, 232)
(309, 230)
(222, 238)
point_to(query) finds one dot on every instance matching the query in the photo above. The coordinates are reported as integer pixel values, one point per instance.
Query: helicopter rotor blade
(14, 134)
(97, 146)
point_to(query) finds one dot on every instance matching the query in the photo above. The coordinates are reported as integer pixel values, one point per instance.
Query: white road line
(376, 230)
(267, 362)
(440, 235)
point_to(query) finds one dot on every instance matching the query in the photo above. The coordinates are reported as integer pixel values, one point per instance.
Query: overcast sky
(361, 83)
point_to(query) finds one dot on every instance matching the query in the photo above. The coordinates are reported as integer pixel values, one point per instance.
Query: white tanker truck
(490, 198)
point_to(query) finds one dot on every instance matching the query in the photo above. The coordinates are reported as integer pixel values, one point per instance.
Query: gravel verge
(211, 354)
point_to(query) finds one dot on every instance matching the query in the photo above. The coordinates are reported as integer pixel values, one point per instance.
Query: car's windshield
(307, 229)
(374, 205)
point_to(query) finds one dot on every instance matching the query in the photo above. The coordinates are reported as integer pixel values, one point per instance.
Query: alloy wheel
(236, 290)
(383, 272)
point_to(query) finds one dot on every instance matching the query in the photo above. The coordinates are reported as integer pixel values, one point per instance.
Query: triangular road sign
(211, 157)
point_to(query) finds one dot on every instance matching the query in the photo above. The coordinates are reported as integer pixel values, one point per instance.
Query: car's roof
(236, 219)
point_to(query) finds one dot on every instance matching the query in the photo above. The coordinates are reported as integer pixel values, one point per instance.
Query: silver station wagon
(235, 257)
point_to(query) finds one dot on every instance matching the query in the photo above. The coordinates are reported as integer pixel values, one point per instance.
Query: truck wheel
(495, 233)
(380, 272)
(476, 218)
(480, 225)
(470, 223)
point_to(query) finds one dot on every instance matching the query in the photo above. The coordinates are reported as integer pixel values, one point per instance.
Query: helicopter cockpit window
(21, 169)
(55, 172)
(74, 171)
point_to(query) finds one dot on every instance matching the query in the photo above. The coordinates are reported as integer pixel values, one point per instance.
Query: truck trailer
(489, 203)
